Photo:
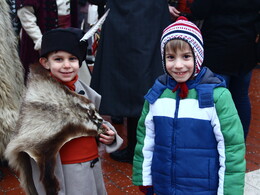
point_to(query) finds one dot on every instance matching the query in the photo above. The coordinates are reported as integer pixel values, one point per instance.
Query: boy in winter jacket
(189, 136)
(56, 148)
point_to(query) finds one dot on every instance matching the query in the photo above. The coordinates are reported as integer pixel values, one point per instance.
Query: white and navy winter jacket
(191, 146)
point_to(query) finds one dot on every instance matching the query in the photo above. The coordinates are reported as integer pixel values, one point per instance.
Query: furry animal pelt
(50, 116)
(11, 78)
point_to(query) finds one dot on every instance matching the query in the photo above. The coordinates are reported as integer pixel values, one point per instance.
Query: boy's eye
(73, 58)
(187, 56)
(170, 57)
(57, 59)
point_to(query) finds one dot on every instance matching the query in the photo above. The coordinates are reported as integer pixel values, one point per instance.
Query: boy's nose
(178, 63)
(66, 64)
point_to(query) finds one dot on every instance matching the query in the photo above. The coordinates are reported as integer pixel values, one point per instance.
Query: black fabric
(257, 26)
(97, 2)
(82, 2)
(128, 57)
(229, 34)
(258, 51)
(131, 133)
(64, 40)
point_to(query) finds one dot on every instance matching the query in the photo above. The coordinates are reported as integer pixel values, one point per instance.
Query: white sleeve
(28, 21)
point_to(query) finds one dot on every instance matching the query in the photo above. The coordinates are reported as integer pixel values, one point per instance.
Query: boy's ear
(44, 62)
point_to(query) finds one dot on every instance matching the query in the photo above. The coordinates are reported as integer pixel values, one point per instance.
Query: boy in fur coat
(189, 138)
(56, 149)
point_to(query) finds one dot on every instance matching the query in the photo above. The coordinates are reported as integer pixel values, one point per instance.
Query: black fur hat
(64, 39)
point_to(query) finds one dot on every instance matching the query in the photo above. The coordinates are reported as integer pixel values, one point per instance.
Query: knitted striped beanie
(189, 32)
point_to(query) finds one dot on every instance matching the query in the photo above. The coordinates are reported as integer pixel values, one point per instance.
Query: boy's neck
(69, 84)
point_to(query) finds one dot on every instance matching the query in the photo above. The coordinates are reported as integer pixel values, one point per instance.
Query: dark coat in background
(229, 32)
(128, 58)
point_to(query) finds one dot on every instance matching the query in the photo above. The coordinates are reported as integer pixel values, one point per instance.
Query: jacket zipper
(174, 141)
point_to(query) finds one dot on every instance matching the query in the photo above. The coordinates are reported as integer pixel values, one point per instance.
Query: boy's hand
(108, 137)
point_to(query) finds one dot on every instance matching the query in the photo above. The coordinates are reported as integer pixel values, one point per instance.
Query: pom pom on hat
(64, 39)
(182, 18)
(189, 32)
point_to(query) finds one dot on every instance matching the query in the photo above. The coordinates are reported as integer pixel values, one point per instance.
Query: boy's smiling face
(180, 63)
(62, 65)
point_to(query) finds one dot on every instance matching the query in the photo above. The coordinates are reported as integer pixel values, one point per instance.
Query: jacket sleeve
(144, 149)
(29, 23)
(233, 148)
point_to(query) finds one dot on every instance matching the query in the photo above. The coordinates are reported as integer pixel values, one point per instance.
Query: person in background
(189, 138)
(15, 21)
(230, 39)
(128, 60)
(183, 8)
(38, 17)
(101, 6)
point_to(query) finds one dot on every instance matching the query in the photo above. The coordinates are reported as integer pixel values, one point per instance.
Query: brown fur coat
(11, 78)
(50, 116)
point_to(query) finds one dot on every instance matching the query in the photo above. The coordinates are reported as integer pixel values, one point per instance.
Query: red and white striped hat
(189, 32)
